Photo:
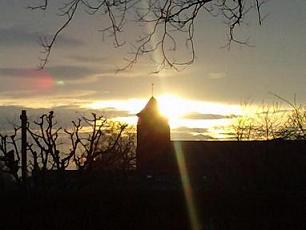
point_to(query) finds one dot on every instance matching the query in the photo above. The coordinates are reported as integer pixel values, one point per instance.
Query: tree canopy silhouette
(165, 21)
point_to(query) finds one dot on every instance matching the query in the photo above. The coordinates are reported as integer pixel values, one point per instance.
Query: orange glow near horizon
(180, 112)
(171, 106)
(206, 118)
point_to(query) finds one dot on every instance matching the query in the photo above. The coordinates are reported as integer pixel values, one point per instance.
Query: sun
(172, 106)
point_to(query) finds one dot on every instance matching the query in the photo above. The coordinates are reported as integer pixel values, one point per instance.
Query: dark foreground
(147, 204)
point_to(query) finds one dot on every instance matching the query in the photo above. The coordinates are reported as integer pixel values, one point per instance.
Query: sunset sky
(81, 72)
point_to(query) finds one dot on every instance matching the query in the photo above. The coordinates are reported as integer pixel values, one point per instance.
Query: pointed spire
(150, 108)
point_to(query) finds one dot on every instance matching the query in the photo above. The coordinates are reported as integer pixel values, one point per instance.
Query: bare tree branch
(163, 19)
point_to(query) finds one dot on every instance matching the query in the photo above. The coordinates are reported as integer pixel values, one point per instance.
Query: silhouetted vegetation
(241, 185)
(273, 122)
(10, 155)
(90, 144)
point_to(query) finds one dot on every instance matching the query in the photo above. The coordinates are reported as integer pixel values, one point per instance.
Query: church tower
(153, 138)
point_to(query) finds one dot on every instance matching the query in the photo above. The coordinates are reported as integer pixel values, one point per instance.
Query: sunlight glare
(180, 112)
(172, 106)
(177, 107)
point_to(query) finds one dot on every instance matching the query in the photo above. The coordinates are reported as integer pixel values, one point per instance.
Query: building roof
(150, 108)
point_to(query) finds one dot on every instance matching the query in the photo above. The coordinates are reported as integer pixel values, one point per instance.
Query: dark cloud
(87, 59)
(187, 134)
(64, 115)
(11, 72)
(273, 111)
(202, 137)
(9, 117)
(20, 35)
(69, 72)
(113, 112)
(202, 116)
(193, 130)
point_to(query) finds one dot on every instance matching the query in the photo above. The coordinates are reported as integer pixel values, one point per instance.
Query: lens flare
(192, 211)
(36, 81)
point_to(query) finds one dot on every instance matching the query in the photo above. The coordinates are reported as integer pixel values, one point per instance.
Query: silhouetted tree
(102, 143)
(295, 125)
(273, 122)
(94, 143)
(45, 145)
(10, 155)
(164, 20)
(119, 150)
(91, 139)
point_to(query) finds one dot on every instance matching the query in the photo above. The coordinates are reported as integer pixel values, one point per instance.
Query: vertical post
(152, 89)
(24, 121)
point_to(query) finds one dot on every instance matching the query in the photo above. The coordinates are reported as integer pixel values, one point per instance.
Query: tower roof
(150, 108)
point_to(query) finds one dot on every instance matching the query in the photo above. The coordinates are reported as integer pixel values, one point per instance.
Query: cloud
(64, 72)
(193, 130)
(64, 115)
(11, 72)
(111, 112)
(140, 71)
(58, 81)
(35, 98)
(70, 72)
(21, 36)
(202, 116)
(9, 116)
(216, 75)
(185, 133)
(88, 59)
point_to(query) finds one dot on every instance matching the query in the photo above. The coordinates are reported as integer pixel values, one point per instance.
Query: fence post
(24, 121)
